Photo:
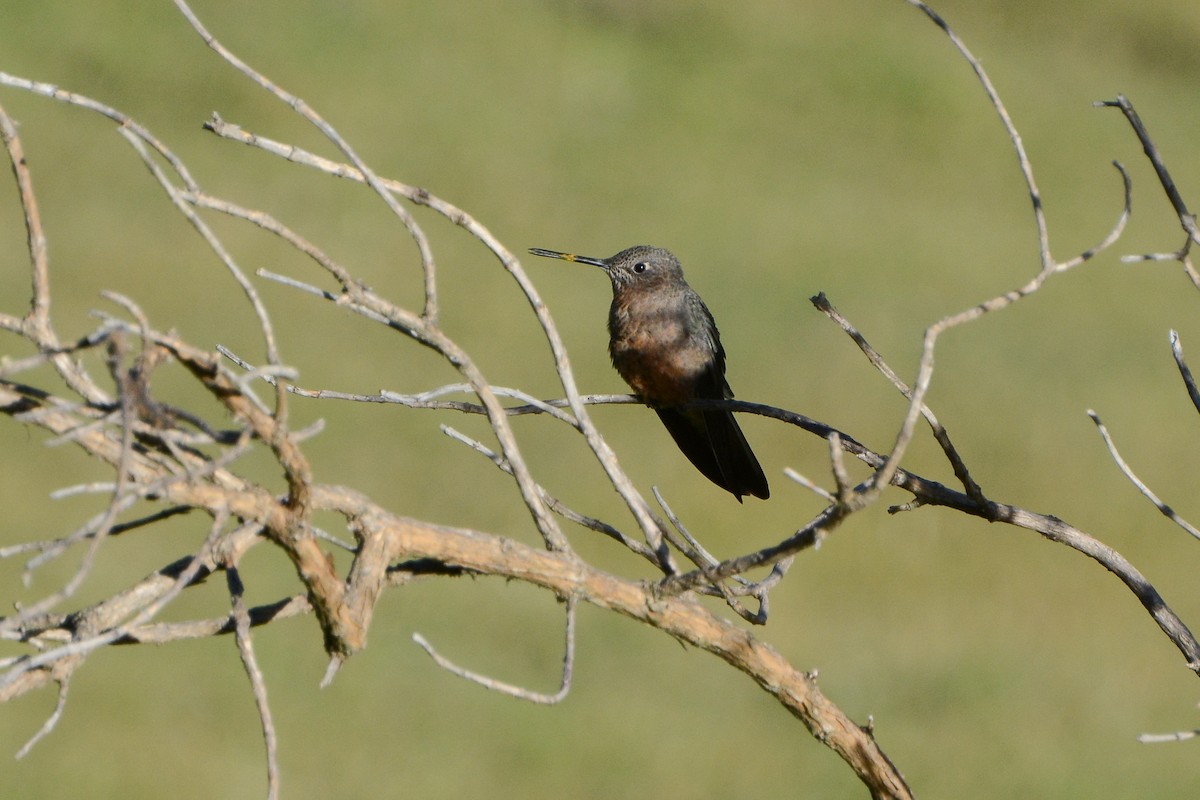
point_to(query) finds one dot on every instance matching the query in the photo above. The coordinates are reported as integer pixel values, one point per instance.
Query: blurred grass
(780, 149)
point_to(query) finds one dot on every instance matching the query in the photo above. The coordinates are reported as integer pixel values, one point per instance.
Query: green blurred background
(779, 149)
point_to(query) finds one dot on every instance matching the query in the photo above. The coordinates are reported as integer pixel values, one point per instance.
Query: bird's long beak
(595, 262)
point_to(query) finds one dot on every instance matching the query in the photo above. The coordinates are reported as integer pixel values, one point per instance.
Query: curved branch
(399, 538)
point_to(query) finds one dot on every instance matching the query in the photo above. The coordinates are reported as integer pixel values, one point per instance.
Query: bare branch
(51, 721)
(1039, 215)
(1184, 371)
(38, 315)
(35, 325)
(1186, 218)
(1127, 471)
(696, 553)
(810, 485)
(245, 647)
(510, 689)
(1178, 736)
(556, 505)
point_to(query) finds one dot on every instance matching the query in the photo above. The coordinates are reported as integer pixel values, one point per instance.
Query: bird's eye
(640, 267)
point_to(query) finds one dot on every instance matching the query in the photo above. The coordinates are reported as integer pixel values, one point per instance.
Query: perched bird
(664, 343)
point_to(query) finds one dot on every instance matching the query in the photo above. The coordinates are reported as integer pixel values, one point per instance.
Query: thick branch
(397, 538)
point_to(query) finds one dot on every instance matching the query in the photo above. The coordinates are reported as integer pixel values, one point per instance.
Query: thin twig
(1188, 381)
(821, 302)
(1187, 220)
(808, 536)
(838, 464)
(51, 721)
(302, 108)
(429, 399)
(245, 646)
(510, 689)
(36, 325)
(704, 560)
(180, 201)
(813, 487)
(1127, 471)
(1178, 736)
(552, 502)
(1039, 215)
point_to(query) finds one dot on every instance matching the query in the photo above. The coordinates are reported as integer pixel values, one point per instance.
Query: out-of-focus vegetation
(780, 149)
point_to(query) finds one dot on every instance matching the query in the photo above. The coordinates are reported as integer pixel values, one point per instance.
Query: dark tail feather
(714, 443)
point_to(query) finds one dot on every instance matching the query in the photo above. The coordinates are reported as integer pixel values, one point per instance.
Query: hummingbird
(664, 343)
